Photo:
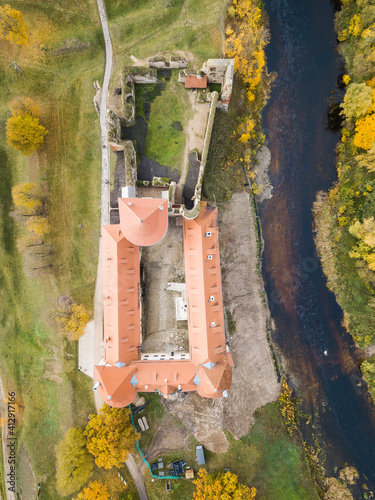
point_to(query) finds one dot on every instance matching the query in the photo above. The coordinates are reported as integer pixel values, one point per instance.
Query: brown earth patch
(254, 378)
(170, 435)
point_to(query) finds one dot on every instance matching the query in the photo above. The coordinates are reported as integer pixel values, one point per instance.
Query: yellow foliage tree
(24, 133)
(221, 486)
(94, 491)
(365, 249)
(12, 25)
(73, 321)
(365, 132)
(355, 25)
(28, 198)
(74, 464)
(110, 436)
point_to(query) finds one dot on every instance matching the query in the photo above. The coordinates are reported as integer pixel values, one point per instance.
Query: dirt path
(137, 478)
(254, 379)
(105, 188)
(194, 140)
(4, 435)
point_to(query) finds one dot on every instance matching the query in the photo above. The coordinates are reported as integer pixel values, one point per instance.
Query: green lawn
(170, 113)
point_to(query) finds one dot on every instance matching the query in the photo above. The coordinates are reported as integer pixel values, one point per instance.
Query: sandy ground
(262, 178)
(163, 263)
(166, 437)
(254, 378)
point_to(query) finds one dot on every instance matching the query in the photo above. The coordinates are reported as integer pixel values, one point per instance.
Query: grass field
(170, 113)
(267, 458)
(64, 57)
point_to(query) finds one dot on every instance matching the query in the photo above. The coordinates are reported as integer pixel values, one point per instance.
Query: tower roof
(144, 221)
(116, 388)
(213, 381)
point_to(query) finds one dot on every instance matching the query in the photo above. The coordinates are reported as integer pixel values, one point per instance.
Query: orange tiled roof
(203, 287)
(193, 82)
(121, 282)
(144, 221)
(115, 387)
(215, 380)
(209, 369)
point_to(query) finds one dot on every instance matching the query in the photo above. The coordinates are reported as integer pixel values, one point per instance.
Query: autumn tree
(110, 436)
(220, 486)
(358, 99)
(365, 248)
(367, 159)
(365, 132)
(74, 464)
(24, 106)
(94, 491)
(29, 199)
(24, 133)
(30, 203)
(72, 320)
(12, 25)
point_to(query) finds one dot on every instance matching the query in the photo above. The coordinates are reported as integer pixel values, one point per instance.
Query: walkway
(4, 435)
(103, 114)
(105, 198)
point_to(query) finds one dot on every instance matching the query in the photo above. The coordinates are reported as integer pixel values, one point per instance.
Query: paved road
(98, 310)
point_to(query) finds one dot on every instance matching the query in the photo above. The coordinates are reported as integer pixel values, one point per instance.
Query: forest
(344, 217)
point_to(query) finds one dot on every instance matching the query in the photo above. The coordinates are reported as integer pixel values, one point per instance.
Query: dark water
(307, 317)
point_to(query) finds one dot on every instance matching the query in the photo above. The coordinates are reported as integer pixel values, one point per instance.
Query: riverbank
(344, 216)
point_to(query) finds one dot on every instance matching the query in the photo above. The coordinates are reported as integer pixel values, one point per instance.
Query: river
(319, 356)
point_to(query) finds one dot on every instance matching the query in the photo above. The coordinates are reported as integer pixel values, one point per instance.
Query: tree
(359, 97)
(110, 436)
(12, 25)
(24, 106)
(29, 199)
(365, 249)
(73, 321)
(365, 132)
(24, 133)
(94, 491)
(221, 486)
(74, 463)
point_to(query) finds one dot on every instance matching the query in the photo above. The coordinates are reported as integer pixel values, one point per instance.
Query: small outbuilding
(200, 454)
(195, 82)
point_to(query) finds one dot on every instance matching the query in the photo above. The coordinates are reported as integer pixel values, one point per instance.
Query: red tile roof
(209, 369)
(193, 82)
(115, 386)
(121, 282)
(144, 221)
(203, 287)
(213, 381)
